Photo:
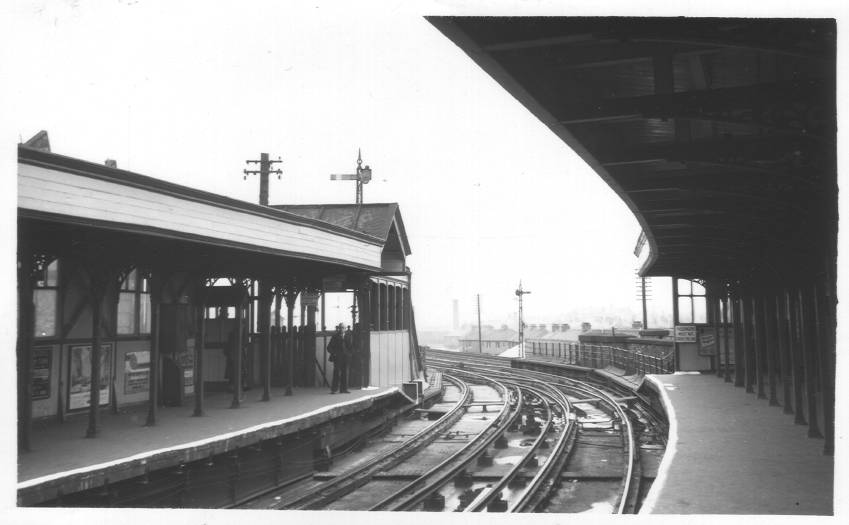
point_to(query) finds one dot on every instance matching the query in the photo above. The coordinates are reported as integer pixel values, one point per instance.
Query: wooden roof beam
(786, 150)
(775, 105)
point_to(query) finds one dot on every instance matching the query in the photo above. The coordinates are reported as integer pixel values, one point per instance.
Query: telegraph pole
(520, 293)
(644, 294)
(264, 171)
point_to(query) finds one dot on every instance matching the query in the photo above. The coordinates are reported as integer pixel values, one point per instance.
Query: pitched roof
(491, 334)
(374, 219)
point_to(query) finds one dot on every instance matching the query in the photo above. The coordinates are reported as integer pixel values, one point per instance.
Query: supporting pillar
(237, 358)
(308, 338)
(374, 295)
(366, 305)
(264, 318)
(278, 341)
(760, 344)
(97, 291)
(26, 327)
(323, 336)
(384, 302)
(809, 358)
(826, 376)
(786, 368)
(748, 344)
(739, 365)
(769, 341)
(156, 283)
(795, 332)
(725, 339)
(199, 346)
(675, 322)
(291, 294)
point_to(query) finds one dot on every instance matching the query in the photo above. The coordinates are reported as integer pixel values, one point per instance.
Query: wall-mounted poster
(188, 381)
(685, 333)
(41, 372)
(79, 375)
(707, 341)
(137, 372)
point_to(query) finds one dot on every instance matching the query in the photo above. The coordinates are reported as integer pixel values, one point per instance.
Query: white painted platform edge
(671, 447)
(219, 437)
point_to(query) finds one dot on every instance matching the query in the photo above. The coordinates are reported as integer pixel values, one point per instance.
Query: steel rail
(349, 481)
(417, 490)
(626, 427)
(487, 496)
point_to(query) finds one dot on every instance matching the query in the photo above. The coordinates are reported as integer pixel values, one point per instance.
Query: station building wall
(390, 358)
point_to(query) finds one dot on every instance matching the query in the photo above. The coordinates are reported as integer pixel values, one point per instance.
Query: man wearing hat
(339, 358)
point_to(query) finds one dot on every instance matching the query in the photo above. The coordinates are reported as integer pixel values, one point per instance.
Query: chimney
(564, 327)
(555, 327)
(112, 163)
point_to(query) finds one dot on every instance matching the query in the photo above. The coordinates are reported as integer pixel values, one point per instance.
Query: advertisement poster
(41, 372)
(685, 333)
(188, 381)
(79, 372)
(137, 372)
(707, 341)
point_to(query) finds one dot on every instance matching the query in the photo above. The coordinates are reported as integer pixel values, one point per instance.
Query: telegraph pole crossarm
(264, 171)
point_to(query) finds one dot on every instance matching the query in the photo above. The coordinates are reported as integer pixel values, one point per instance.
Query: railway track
(605, 410)
(507, 440)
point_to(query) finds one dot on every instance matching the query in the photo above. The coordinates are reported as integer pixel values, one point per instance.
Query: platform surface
(62, 447)
(735, 454)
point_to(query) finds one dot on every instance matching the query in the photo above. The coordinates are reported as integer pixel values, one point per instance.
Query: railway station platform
(62, 459)
(731, 453)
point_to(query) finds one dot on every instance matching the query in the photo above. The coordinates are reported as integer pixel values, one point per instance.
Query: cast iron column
(810, 364)
(291, 294)
(265, 330)
(237, 358)
(156, 283)
(786, 368)
(200, 301)
(26, 328)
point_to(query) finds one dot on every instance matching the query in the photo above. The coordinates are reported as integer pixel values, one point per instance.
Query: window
(692, 303)
(45, 298)
(134, 304)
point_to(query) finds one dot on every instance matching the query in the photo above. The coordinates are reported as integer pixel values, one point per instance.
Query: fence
(600, 356)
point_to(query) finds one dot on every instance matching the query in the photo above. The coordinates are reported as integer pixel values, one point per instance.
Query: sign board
(137, 372)
(188, 381)
(707, 340)
(685, 333)
(41, 357)
(79, 375)
(334, 283)
(309, 299)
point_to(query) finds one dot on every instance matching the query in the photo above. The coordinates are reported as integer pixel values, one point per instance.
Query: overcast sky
(187, 92)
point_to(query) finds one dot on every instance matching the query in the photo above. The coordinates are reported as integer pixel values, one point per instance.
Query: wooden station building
(720, 136)
(135, 290)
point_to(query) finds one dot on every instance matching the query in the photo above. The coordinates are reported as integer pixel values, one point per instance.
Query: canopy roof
(58, 192)
(374, 219)
(719, 134)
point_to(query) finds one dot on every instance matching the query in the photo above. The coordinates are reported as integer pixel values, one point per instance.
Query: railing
(601, 356)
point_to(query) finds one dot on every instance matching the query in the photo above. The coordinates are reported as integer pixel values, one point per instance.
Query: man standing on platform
(339, 357)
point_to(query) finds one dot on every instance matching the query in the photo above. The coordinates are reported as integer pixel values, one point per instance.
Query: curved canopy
(719, 134)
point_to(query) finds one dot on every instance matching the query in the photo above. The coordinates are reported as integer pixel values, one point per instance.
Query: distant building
(492, 340)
